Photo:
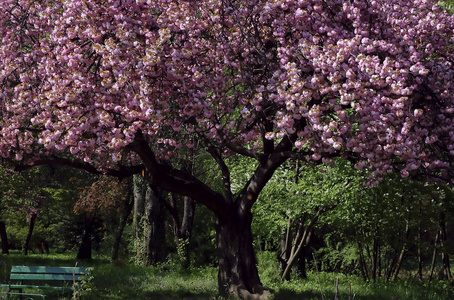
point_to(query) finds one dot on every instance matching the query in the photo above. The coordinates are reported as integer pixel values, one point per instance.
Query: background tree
(122, 87)
(107, 198)
(149, 223)
(26, 196)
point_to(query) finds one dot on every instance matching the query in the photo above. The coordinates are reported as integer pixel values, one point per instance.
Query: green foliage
(268, 268)
(23, 196)
(297, 191)
(447, 4)
(202, 246)
(84, 286)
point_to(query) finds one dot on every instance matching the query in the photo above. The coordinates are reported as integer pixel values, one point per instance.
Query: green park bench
(61, 279)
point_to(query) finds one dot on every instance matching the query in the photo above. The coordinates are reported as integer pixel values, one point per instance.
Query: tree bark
(155, 230)
(31, 226)
(149, 219)
(126, 208)
(238, 274)
(4, 237)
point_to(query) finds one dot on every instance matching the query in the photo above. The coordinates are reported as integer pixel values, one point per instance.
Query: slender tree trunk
(183, 230)
(300, 242)
(139, 211)
(403, 251)
(238, 274)
(4, 237)
(31, 226)
(362, 263)
(434, 255)
(126, 208)
(379, 259)
(302, 238)
(392, 267)
(444, 253)
(374, 261)
(286, 241)
(419, 241)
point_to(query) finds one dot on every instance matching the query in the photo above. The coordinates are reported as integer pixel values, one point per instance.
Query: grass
(169, 281)
(311, 289)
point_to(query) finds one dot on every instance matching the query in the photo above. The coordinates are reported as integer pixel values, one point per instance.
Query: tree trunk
(155, 231)
(4, 237)
(434, 255)
(286, 241)
(182, 230)
(86, 243)
(149, 219)
(374, 261)
(31, 226)
(301, 240)
(139, 211)
(444, 253)
(126, 208)
(403, 251)
(363, 263)
(238, 274)
(420, 242)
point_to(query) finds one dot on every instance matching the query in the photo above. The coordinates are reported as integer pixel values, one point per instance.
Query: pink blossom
(93, 77)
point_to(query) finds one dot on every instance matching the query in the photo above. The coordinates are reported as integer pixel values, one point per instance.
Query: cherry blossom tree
(124, 87)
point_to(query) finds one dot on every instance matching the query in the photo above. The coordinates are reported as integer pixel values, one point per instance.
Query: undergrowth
(169, 281)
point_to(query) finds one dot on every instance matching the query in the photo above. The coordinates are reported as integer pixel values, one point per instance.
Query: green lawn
(169, 281)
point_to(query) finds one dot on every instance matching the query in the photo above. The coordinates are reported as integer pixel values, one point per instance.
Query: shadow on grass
(289, 294)
(161, 295)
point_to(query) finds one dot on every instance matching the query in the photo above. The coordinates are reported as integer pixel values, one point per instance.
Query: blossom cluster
(368, 78)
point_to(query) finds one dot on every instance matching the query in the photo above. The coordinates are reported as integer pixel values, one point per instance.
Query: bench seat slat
(43, 269)
(27, 294)
(39, 287)
(56, 277)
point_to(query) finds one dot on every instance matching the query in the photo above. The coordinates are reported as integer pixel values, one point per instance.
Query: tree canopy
(121, 87)
(368, 77)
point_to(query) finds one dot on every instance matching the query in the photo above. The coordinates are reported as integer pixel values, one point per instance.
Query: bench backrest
(24, 273)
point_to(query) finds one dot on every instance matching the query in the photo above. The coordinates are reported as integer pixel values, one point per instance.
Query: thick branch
(262, 175)
(177, 181)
